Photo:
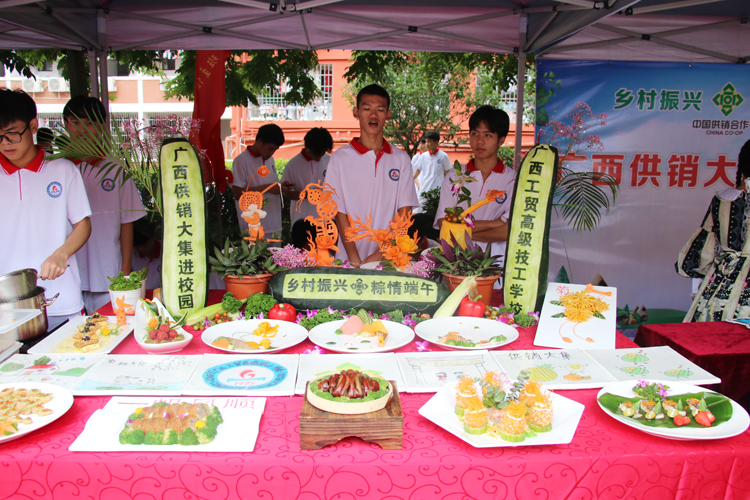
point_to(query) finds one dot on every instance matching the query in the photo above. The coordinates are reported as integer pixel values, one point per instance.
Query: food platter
(287, 335)
(482, 332)
(60, 403)
(60, 340)
(440, 411)
(737, 424)
(326, 337)
(347, 408)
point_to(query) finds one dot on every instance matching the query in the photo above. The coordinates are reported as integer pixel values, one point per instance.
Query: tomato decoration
(283, 312)
(473, 308)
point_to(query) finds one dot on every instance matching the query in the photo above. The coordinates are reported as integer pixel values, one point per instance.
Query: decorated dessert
(164, 424)
(455, 339)
(653, 406)
(511, 412)
(265, 331)
(17, 405)
(362, 325)
(349, 392)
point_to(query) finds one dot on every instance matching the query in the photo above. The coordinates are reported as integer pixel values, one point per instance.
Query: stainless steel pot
(35, 326)
(17, 285)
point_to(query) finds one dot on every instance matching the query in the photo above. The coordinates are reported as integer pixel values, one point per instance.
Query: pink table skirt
(606, 459)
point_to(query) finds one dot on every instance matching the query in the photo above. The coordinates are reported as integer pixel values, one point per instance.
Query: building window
(273, 105)
(168, 64)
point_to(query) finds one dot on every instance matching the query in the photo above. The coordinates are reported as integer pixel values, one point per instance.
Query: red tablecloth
(606, 459)
(721, 348)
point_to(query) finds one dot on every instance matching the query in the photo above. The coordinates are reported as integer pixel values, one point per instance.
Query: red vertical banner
(209, 105)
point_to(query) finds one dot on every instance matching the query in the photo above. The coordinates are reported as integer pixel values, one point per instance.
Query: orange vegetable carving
(326, 232)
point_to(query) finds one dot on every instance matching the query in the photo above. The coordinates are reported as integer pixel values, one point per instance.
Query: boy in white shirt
(308, 167)
(432, 167)
(488, 128)
(45, 209)
(115, 206)
(370, 177)
(270, 138)
(421, 149)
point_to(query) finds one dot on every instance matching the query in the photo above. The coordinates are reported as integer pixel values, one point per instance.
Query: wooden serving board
(318, 428)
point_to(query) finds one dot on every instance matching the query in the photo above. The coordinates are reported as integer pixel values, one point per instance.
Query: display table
(606, 459)
(721, 348)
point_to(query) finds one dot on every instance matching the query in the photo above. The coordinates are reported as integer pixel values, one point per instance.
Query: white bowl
(163, 348)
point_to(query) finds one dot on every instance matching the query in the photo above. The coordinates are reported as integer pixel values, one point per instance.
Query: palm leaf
(580, 201)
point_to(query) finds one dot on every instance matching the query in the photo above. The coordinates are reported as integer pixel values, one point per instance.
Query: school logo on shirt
(501, 199)
(108, 184)
(54, 189)
(394, 174)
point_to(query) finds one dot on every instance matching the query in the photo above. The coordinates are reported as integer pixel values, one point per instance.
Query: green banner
(334, 286)
(527, 258)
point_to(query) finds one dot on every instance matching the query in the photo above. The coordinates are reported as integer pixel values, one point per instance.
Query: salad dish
(168, 424)
(466, 333)
(673, 410)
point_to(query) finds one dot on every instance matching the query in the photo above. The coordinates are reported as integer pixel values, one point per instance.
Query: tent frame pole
(523, 24)
(93, 73)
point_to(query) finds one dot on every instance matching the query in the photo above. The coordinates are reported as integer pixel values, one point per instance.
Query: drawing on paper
(582, 316)
(432, 370)
(245, 374)
(651, 363)
(58, 369)
(141, 373)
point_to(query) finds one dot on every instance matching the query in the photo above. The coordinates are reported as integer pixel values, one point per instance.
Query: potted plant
(457, 263)
(245, 268)
(124, 292)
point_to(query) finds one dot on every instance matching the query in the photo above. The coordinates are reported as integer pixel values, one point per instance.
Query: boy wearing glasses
(45, 209)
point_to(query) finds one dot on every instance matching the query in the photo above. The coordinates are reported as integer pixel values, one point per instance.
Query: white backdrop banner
(672, 137)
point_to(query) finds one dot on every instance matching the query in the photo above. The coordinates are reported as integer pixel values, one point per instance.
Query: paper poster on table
(555, 369)
(64, 370)
(652, 363)
(429, 371)
(232, 374)
(138, 374)
(237, 433)
(312, 366)
(581, 316)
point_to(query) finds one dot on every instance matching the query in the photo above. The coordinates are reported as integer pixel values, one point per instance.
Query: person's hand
(54, 267)
(287, 186)
(374, 257)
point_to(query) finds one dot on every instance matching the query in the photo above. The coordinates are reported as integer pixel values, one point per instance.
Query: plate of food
(257, 336)
(177, 425)
(360, 333)
(349, 392)
(466, 333)
(156, 331)
(490, 413)
(28, 406)
(673, 410)
(95, 334)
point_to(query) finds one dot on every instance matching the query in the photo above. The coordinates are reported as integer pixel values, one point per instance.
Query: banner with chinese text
(671, 138)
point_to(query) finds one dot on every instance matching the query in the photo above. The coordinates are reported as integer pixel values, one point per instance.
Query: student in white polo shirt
(488, 128)
(45, 210)
(432, 165)
(371, 177)
(270, 138)
(114, 205)
(421, 149)
(308, 167)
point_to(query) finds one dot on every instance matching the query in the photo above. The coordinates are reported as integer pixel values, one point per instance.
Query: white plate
(60, 403)
(10, 320)
(48, 345)
(288, 335)
(325, 336)
(440, 411)
(473, 329)
(142, 316)
(735, 426)
(165, 348)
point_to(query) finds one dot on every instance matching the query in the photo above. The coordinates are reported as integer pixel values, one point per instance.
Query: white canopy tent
(687, 30)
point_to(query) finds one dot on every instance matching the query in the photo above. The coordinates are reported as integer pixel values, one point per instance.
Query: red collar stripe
(499, 168)
(360, 149)
(305, 155)
(251, 153)
(35, 165)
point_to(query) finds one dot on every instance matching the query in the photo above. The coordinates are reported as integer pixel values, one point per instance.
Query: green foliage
(468, 261)
(506, 153)
(431, 202)
(230, 304)
(243, 259)
(322, 316)
(580, 200)
(12, 60)
(120, 283)
(262, 69)
(426, 94)
(259, 303)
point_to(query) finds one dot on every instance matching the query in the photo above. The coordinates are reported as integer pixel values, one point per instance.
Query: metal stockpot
(18, 285)
(35, 326)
